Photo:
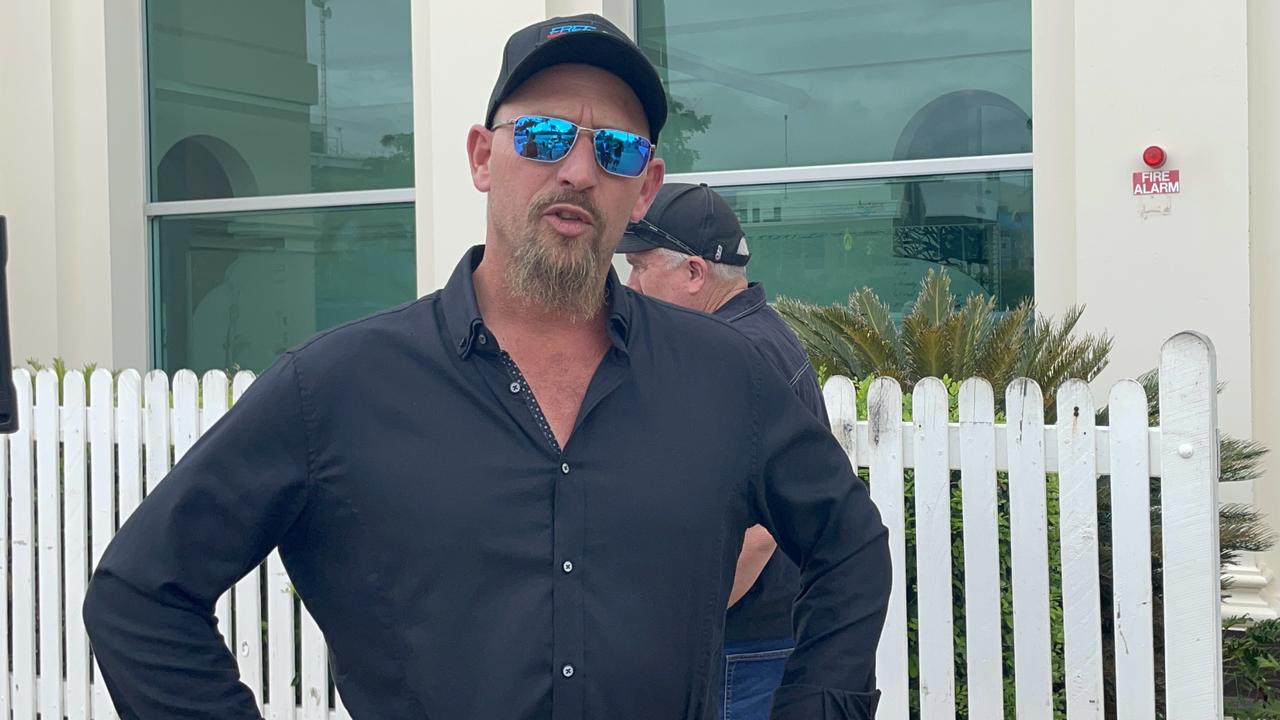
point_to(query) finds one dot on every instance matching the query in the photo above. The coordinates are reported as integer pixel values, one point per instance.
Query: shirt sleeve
(822, 516)
(215, 516)
(807, 390)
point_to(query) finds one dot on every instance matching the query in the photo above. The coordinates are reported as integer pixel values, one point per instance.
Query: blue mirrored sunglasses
(548, 139)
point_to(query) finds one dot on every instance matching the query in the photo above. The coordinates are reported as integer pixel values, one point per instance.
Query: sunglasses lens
(622, 153)
(544, 138)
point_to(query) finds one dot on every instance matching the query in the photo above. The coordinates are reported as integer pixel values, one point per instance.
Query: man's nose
(579, 169)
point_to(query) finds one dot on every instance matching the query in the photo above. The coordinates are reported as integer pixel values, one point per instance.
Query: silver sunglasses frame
(581, 129)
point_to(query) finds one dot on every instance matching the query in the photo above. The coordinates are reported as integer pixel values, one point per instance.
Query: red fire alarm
(1154, 156)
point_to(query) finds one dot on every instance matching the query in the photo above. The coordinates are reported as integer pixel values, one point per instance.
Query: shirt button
(515, 387)
(564, 468)
(567, 671)
(568, 566)
(483, 338)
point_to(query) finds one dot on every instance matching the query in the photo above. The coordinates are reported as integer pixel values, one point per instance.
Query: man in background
(689, 250)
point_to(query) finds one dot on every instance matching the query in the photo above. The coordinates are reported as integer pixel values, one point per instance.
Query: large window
(281, 144)
(818, 240)
(280, 97)
(862, 141)
(238, 289)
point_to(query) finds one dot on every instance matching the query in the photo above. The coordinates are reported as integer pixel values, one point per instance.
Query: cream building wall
(1200, 80)
(1264, 248)
(72, 179)
(452, 80)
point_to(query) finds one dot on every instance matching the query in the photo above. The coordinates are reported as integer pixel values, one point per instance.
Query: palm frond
(1003, 348)
(1054, 355)
(1242, 528)
(871, 351)
(935, 301)
(1240, 460)
(878, 315)
(966, 331)
(824, 344)
(925, 346)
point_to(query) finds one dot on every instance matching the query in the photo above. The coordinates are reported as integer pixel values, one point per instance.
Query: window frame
(154, 210)
(624, 12)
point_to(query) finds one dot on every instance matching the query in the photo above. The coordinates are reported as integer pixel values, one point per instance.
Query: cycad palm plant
(937, 339)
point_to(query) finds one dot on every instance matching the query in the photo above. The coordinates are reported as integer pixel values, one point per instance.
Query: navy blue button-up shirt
(764, 612)
(463, 567)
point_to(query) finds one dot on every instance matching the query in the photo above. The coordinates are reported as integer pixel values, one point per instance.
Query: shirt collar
(462, 312)
(743, 304)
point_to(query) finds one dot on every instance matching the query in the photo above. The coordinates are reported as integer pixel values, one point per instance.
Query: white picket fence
(134, 439)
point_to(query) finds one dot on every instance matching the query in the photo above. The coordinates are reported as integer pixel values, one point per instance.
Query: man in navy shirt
(522, 496)
(690, 250)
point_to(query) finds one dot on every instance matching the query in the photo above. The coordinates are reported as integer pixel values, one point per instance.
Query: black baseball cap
(586, 39)
(690, 219)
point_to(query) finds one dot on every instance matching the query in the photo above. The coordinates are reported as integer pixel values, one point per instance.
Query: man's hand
(757, 547)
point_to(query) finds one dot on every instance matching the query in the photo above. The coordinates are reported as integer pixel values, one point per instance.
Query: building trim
(858, 171)
(1245, 594)
(281, 202)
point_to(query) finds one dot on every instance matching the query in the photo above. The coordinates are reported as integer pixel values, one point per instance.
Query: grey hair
(719, 272)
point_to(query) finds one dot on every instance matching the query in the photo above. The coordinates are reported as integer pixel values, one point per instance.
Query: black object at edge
(8, 396)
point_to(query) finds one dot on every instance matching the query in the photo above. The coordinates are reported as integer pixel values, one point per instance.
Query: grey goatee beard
(562, 275)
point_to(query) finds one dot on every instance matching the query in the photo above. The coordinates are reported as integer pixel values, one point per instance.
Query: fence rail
(87, 453)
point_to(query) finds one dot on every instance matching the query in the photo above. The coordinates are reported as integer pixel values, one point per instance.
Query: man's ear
(479, 152)
(697, 271)
(653, 178)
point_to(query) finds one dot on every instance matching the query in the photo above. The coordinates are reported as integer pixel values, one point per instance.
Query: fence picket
(129, 435)
(240, 384)
(23, 519)
(1081, 594)
(49, 537)
(315, 670)
(884, 417)
(102, 480)
(214, 401)
(186, 412)
(983, 633)
(1131, 553)
(933, 550)
(248, 624)
(248, 599)
(157, 427)
(1028, 525)
(76, 503)
(280, 639)
(1189, 529)
(841, 399)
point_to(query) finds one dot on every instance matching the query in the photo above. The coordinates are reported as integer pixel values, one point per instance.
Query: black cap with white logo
(586, 39)
(689, 219)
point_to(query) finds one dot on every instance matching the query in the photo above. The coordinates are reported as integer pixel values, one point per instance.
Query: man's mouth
(568, 220)
(569, 212)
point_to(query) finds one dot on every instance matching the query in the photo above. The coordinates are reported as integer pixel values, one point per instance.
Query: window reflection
(815, 82)
(238, 289)
(821, 241)
(281, 97)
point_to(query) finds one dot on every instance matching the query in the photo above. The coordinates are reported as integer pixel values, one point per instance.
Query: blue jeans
(752, 671)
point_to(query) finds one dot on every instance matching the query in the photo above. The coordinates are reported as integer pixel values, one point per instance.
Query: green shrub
(1251, 665)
